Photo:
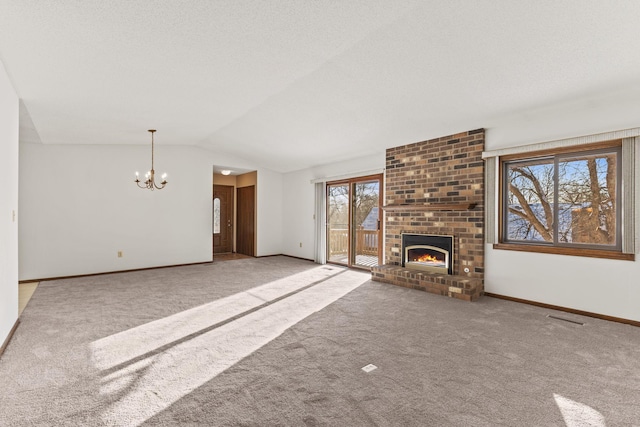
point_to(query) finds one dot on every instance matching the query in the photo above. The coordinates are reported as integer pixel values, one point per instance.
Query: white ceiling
(293, 84)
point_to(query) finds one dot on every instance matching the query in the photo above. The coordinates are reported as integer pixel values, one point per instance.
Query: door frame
(230, 217)
(352, 235)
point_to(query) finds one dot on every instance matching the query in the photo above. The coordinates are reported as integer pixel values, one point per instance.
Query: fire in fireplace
(428, 253)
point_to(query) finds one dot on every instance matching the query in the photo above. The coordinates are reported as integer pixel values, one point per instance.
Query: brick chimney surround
(436, 187)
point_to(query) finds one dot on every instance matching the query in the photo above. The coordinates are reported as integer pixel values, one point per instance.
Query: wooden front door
(222, 219)
(246, 221)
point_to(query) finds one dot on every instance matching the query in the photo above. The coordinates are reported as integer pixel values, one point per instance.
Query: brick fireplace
(436, 188)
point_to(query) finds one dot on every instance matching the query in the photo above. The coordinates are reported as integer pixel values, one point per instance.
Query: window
(216, 216)
(567, 198)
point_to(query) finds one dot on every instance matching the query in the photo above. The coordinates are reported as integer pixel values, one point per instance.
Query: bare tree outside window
(339, 205)
(365, 198)
(572, 195)
(587, 199)
(530, 201)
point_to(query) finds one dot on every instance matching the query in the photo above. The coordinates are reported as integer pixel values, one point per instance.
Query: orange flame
(427, 258)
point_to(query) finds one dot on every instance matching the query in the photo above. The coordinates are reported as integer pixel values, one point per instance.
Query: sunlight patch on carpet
(150, 385)
(576, 414)
(128, 345)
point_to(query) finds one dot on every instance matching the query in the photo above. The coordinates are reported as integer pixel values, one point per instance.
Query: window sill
(593, 253)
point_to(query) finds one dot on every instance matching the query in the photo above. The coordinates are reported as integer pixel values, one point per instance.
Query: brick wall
(441, 178)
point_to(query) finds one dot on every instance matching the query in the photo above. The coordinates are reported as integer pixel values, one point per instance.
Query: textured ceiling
(293, 84)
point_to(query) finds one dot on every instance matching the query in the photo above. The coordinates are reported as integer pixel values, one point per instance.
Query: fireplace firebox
(427, 252)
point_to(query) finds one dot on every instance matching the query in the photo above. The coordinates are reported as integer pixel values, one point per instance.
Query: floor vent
(566, 320)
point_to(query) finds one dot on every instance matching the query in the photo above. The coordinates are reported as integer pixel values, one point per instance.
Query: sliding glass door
(353, 222)
(338, 223)
(366, 230)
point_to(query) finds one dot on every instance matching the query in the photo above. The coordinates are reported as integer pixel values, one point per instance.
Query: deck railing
(366, 242)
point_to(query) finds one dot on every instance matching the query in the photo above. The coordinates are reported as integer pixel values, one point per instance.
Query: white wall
(80, 206)
(608, 287)
(269, 204)
(299, 201)
(297, 219)
(9, 120)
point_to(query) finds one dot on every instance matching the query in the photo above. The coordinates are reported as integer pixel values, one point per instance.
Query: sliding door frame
(352, 232)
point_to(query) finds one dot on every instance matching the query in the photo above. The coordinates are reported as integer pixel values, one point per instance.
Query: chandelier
(149, 177)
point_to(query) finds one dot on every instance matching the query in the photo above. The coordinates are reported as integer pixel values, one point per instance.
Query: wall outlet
(119, 254)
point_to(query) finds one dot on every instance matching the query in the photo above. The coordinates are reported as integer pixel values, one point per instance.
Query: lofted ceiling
(288, 85)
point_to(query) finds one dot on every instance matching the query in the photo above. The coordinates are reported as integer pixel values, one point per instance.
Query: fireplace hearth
(430, 253)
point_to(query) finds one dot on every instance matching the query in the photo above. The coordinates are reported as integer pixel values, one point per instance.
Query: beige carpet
(281, 341)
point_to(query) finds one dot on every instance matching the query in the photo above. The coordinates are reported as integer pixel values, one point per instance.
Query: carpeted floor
(281, 341)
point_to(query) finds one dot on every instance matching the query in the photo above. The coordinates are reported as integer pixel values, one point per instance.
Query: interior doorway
(353, 222)
(222, 219)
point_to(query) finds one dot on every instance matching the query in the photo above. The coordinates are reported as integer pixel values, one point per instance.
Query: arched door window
(216, 216)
